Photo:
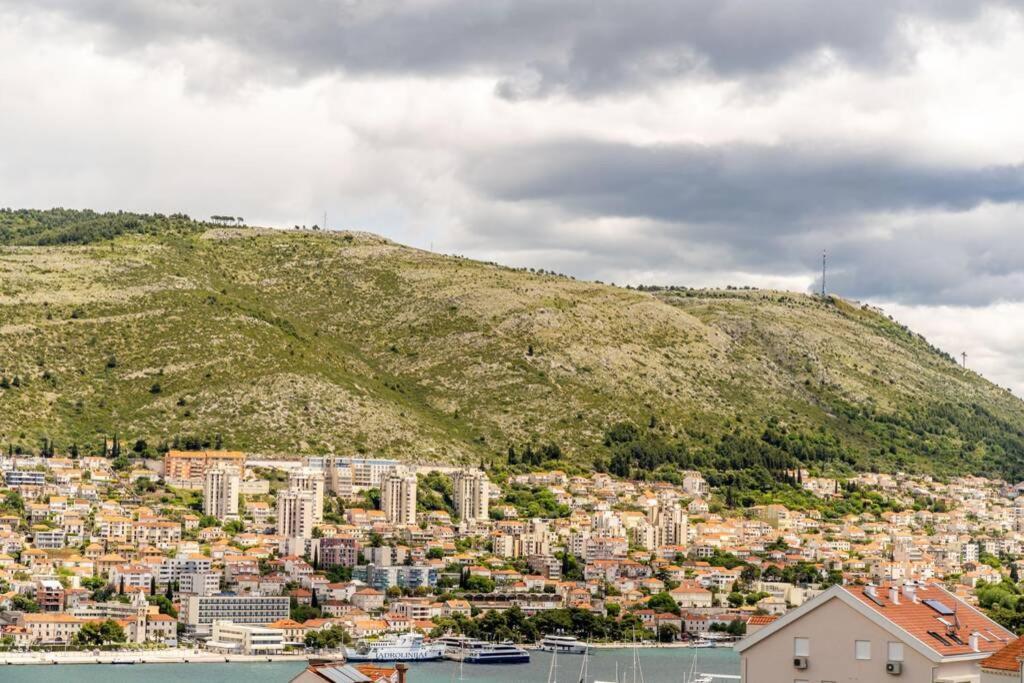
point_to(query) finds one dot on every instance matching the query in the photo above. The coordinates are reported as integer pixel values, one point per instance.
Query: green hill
(163, 329)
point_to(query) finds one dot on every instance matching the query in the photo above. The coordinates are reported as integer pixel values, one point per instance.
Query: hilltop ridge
(293, 341)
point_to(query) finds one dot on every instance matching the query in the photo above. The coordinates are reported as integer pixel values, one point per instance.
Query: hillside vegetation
(289, 342)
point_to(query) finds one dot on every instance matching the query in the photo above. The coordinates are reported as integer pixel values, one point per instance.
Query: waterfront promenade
(168, 656)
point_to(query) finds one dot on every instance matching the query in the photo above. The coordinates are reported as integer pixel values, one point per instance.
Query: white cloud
(208, 123)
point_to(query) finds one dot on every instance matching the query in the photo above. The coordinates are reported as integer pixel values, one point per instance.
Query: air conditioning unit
(800, 662)
(894, 668)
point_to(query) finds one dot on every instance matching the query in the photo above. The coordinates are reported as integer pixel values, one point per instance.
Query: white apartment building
(199, 583)
(347, 477)
(173, 568)
(398, 496)
(471, 494)
(199, 612)
(312, 481)
(295, 514)
(245, 640)
(220, 492)
(50, 539)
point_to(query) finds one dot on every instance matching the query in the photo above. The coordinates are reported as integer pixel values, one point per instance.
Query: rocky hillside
(305, 342)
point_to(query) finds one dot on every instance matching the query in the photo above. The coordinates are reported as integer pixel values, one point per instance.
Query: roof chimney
(974, 641)
(869, 590)
(894, 595)
(910, 591)
(402, 669)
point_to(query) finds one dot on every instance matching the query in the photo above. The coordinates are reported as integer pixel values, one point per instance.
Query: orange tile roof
(921, 621)
(762, 619)
(1007, 659)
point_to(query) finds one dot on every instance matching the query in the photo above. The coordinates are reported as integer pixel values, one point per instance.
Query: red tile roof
(1007, 659)
(762, 619)
(946, 634)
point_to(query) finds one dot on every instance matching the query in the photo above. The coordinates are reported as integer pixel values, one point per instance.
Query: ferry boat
(563, 645)
(408, 647)
(470, 651)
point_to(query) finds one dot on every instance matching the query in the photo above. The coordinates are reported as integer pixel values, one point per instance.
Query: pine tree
(169, 593)
(313, 602)
(120, 589)
(152, 585)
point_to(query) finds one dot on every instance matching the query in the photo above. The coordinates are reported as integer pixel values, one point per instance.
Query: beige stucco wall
(832, 629)
(1000, 677)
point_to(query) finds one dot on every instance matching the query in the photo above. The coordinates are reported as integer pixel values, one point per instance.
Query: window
(801, 647)
(862, 649)
(895, 652)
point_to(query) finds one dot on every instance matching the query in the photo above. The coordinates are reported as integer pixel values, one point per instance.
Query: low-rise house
(51, 629)
(923, 633)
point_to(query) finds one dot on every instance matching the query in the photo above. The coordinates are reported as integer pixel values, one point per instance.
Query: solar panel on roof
(342, 674)
(938, 606)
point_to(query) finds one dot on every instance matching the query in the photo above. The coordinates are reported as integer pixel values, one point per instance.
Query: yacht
(470, 651)
(563, 645)
(408, 647)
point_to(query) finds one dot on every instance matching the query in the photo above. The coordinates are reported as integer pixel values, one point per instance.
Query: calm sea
(658, 666)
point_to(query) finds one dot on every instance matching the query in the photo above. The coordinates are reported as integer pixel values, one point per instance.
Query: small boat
(408, 647)
(703, 644)
(563, 645)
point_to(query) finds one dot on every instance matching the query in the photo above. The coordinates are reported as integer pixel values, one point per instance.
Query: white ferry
(408, 647)
(470, 651)
(563, 645)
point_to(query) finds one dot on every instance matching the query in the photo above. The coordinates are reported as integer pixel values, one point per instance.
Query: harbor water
(658, 665)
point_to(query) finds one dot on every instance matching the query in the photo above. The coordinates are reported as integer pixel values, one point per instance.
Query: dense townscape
(217, 550)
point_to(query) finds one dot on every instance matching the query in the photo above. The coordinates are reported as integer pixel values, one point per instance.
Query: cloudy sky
(697, 142)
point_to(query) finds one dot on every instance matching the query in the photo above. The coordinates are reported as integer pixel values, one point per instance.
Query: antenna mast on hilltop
(823, 257)
(963, 354)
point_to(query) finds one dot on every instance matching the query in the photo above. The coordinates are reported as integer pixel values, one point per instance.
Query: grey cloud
(783, 188)
(531, 47)
(898, 230)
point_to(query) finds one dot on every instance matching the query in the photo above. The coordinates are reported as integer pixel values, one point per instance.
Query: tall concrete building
(295, 516)
(471, 494)
(220, 492)
(187, 469)
(312, 481)
(348, 477)
(670, 522)
(398, 496)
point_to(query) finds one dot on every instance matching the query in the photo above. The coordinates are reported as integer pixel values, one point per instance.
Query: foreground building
(1004, 666)
(918, 633)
